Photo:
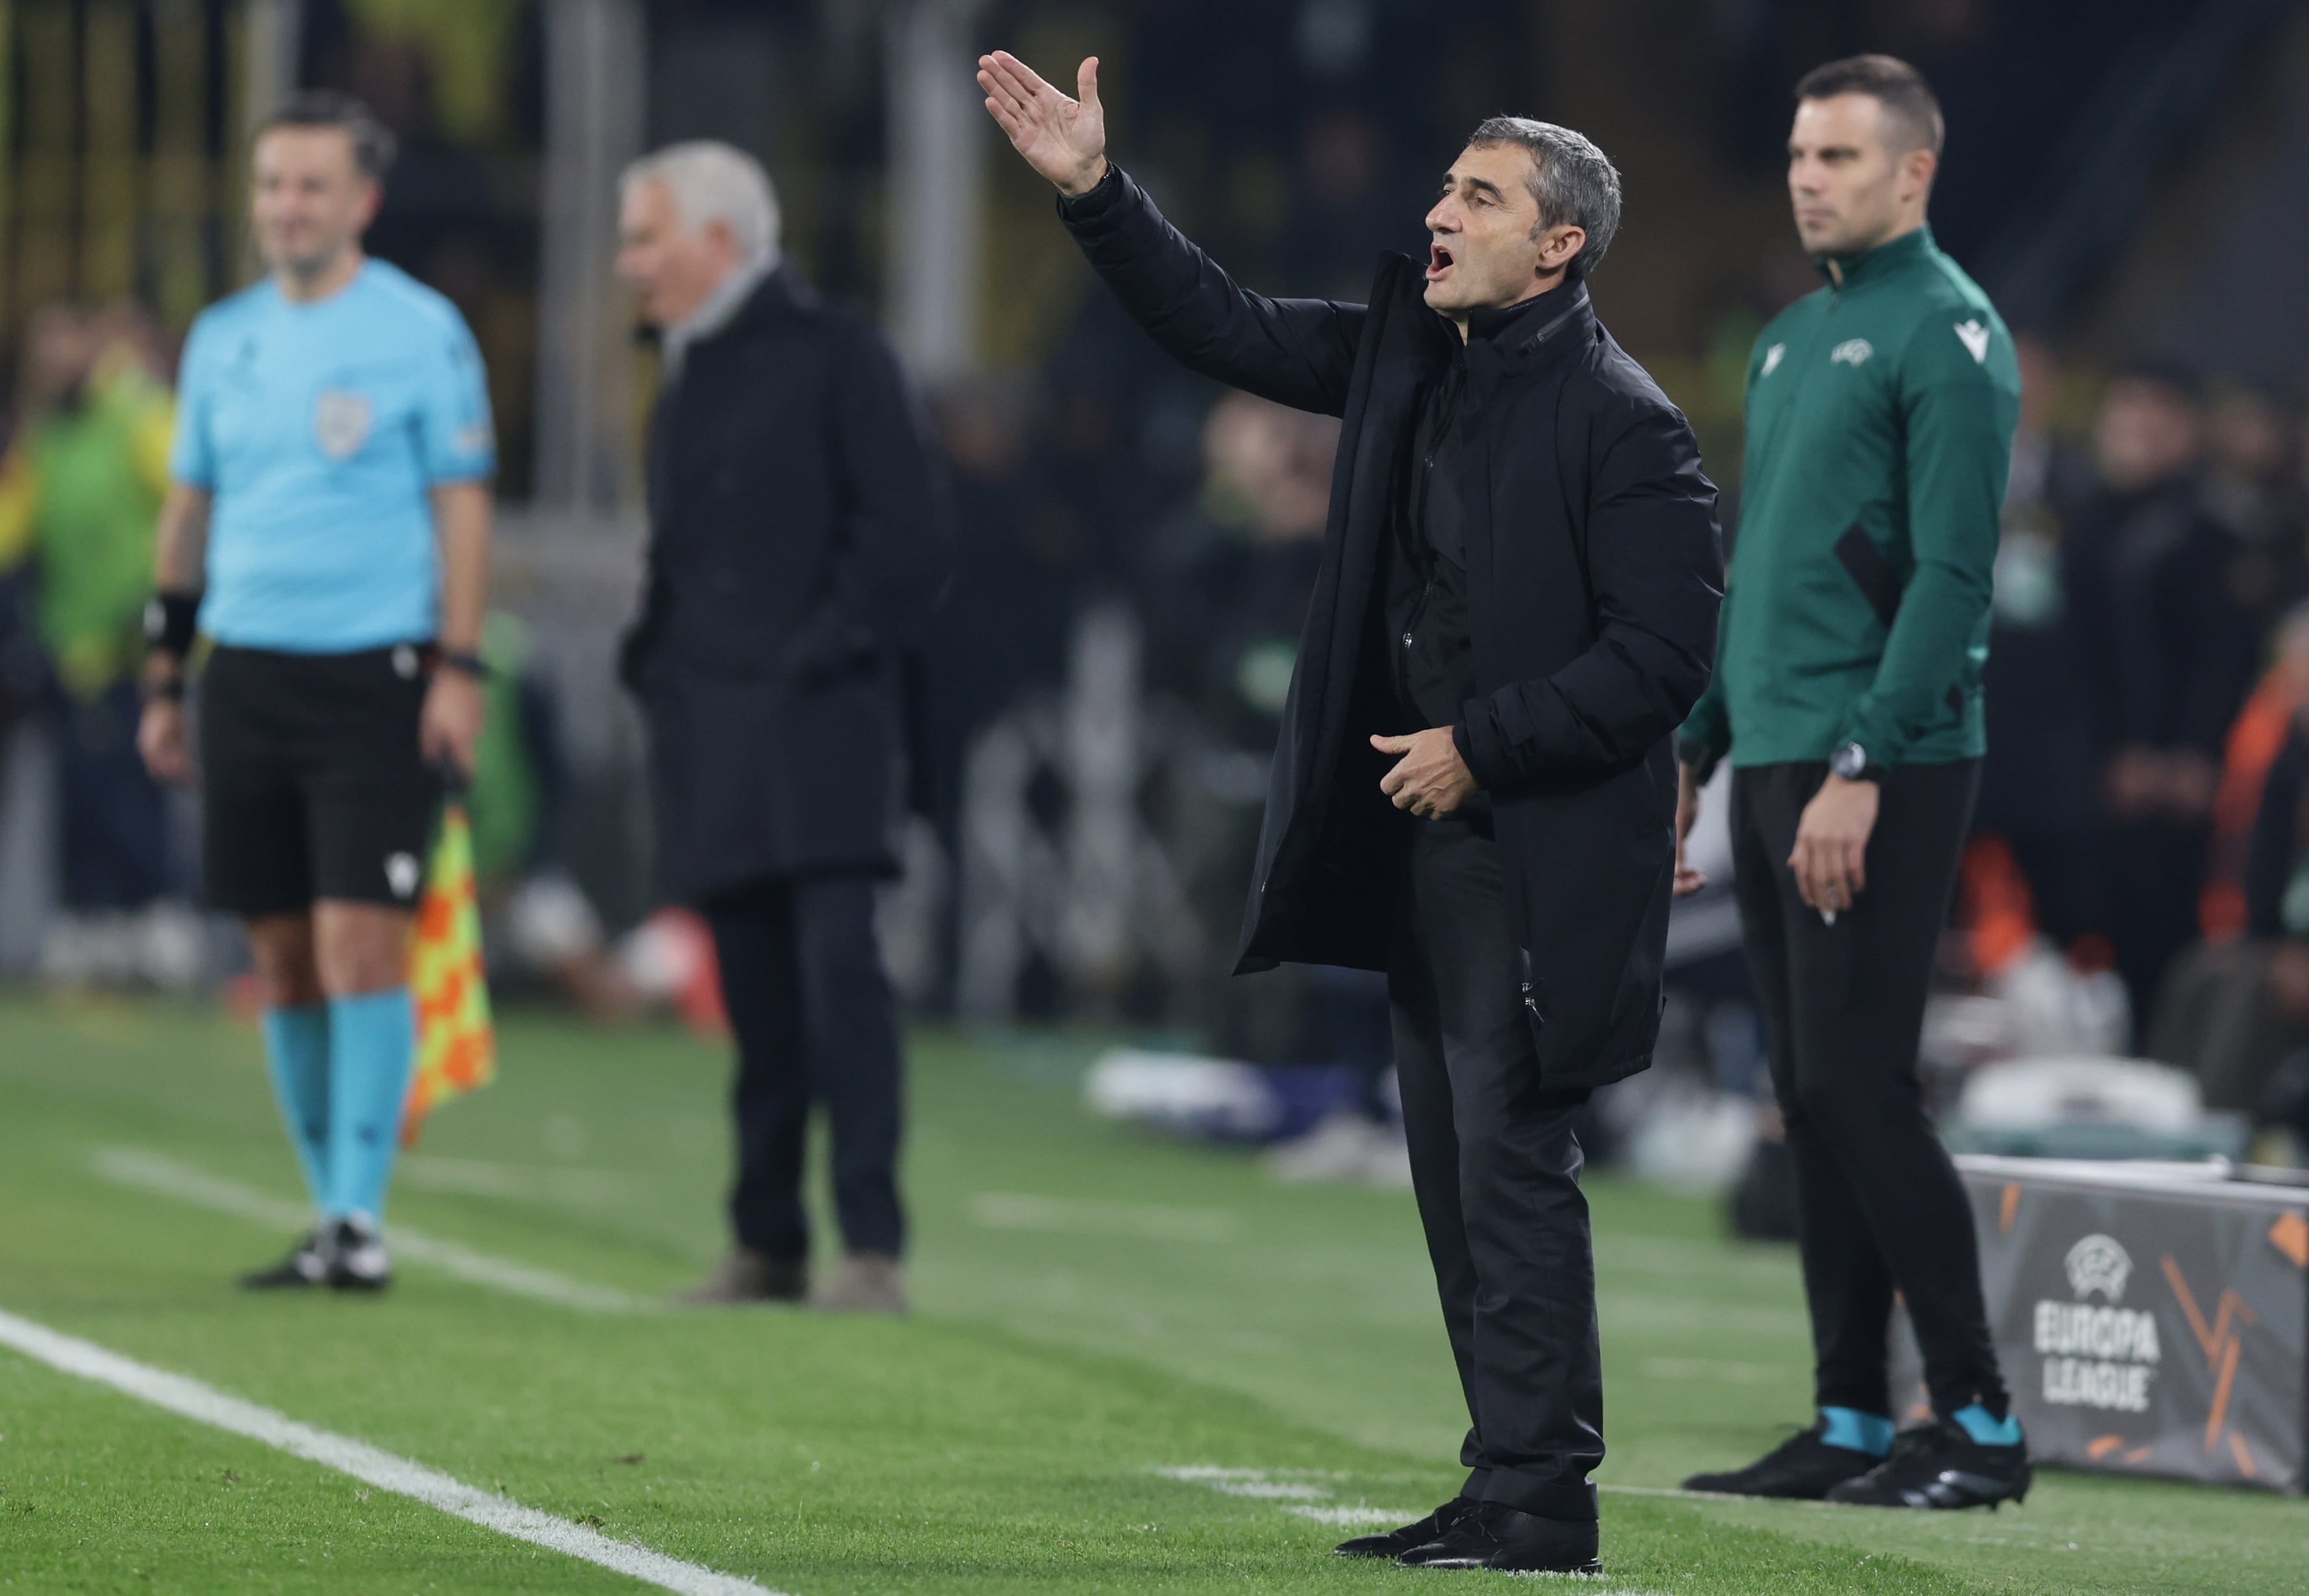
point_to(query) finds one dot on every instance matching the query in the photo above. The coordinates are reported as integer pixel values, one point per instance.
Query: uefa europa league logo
(2097, 1264)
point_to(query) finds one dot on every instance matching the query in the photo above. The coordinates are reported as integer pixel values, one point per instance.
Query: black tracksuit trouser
(1880, 1207)
(1495, 1167)
(816, 1021)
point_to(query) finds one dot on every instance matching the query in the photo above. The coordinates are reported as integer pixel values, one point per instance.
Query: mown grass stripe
(204, 1404)
(166, 1177)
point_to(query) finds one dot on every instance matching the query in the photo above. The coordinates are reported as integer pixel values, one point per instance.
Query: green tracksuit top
(1879, 413)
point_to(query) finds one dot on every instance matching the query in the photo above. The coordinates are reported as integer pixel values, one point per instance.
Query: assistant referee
(1847, 694)
(326, 528)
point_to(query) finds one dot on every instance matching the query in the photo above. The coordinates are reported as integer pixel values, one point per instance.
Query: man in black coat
(2168, 654)
(1515, 607)
(794, 545)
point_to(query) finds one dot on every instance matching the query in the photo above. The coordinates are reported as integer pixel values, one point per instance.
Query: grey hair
(709, 181)
(1571, 181)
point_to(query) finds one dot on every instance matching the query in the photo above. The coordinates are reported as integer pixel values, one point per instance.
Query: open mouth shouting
(1438, 262)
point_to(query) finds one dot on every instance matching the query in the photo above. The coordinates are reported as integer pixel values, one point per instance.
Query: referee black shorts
(311, 779)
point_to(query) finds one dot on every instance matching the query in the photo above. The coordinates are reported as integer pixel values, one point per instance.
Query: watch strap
(1850, 763)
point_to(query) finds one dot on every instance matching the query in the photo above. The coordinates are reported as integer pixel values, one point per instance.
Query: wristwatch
(1850, 764)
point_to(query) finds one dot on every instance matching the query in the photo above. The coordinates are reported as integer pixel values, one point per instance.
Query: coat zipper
(1422, 551)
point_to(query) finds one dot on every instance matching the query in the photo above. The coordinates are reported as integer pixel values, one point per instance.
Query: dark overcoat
(796, 540)
(1594, 571)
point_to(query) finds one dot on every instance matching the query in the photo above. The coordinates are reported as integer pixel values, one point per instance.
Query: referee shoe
(307, 1264)
(1938, 1465)
(356, 1260)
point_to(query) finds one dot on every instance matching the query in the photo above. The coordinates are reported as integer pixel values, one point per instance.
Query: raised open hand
(1063, 138)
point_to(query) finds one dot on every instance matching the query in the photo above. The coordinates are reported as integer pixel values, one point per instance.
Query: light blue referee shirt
(318, 429)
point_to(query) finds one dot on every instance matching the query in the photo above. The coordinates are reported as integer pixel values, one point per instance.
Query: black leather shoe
(1497, 1536)
(1937, 1465)
(1802, 1468)
(1395, 1542)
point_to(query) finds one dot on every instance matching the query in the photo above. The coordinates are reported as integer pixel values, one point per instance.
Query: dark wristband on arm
(170, 620)
(464, 663)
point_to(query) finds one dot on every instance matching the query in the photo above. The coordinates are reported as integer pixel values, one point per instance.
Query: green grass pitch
(1096, 1307)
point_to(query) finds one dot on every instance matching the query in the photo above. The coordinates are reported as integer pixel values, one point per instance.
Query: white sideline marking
(1271, 1490)
(1294, 1494)
(157, 1172)
(476, 1177)
(1258, 1484)
(1354, 1518)
(1238, 1482)
(1088, 1216)
(204, 1404)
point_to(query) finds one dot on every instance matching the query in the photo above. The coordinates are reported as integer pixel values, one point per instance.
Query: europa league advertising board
(2152, 1325)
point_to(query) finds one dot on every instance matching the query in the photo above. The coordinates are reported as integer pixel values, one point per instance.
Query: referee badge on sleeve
(341, 422)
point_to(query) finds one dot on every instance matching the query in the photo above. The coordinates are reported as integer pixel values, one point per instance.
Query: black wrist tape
(170, 621)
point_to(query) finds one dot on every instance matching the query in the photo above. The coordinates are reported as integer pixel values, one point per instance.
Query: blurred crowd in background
(1101, 687)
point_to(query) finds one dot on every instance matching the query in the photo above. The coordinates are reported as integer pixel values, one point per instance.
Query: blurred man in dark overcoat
(795, 543)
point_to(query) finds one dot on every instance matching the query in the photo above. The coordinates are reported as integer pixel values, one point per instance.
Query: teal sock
(296, 1057)
(372, 1049)
(1856, 1431)
(1985, 1428)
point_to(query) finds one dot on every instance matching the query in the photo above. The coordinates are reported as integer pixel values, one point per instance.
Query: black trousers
(1496, 1170)
(2156, 871)
(1880, 1207)
(816, 1021)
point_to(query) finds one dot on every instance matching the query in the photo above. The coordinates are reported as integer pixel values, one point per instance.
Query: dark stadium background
(2121, 176)
(2116, 175)
(1095, 708)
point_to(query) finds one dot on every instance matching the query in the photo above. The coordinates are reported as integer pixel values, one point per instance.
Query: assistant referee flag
(457, 1046)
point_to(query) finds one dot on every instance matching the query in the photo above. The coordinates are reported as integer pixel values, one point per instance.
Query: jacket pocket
(1870, 573)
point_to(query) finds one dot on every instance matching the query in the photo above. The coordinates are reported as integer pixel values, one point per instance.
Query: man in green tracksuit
(1847, 695)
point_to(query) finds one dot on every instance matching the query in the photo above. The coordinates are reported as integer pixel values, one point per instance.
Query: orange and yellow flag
(456, 1048)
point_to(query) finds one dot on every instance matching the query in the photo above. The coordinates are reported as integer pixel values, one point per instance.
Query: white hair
(709, 181)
